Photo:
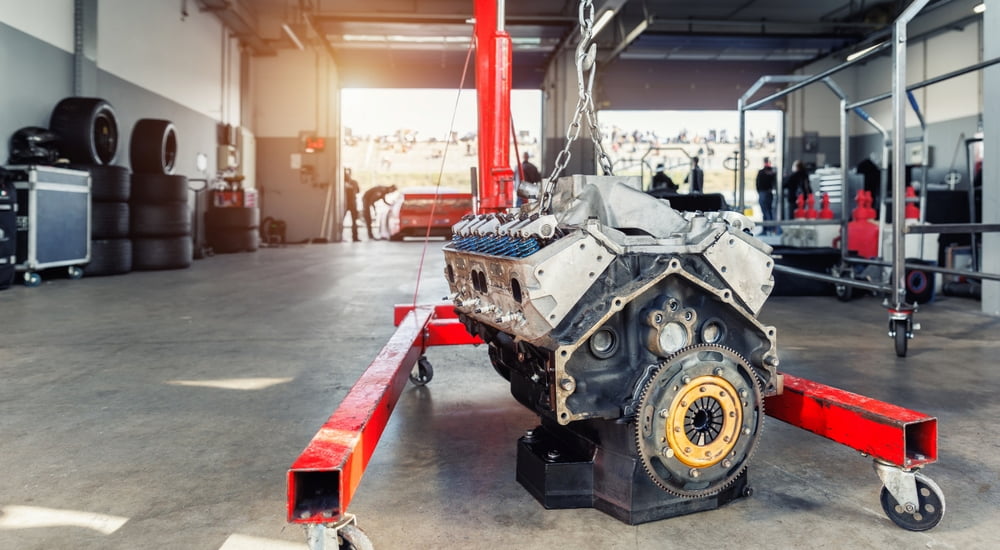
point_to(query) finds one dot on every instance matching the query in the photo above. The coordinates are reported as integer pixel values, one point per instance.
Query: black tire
(109, 220)
(87, 128)
(159, 188)
(109, 257)
(227, 241)
(166, 253)
(107, 183)
(170, 219)
(153, 147)
(232, 218)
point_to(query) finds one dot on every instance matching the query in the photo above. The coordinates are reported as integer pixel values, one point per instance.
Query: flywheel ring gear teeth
(662, 400)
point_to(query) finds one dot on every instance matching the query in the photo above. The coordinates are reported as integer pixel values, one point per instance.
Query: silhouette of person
(351, 190)
(766, 180)
(662, 181)
(696, 177)
(368, 201)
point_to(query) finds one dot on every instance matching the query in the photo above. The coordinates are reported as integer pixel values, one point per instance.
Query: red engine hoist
(324, 478)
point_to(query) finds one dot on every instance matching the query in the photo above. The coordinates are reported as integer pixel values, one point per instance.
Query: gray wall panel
(284, 195)
(38, 75)
(196, 133)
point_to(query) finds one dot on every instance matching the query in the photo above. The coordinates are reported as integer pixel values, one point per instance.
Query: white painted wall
(47, 20)
(146, 42)
(285, 90)
(813, 109)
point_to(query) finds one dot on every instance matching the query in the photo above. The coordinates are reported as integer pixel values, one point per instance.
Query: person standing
(662, 181)
(530, 171)
(696, 178)
(795, 184)
(351, 190)
(766, 180)
(368, 201)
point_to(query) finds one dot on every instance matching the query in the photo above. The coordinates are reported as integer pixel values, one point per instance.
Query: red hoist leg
(322, 481)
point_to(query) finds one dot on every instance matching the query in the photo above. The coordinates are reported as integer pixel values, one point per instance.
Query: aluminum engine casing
(579, 306)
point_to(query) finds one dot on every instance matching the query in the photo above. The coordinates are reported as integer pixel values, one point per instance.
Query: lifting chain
(586, 68)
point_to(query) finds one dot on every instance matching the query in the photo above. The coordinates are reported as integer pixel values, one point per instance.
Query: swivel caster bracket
(340, 535)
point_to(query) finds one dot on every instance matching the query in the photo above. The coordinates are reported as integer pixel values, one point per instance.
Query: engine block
(612, 305)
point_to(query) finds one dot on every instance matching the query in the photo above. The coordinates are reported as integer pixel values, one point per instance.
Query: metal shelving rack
(901, 325)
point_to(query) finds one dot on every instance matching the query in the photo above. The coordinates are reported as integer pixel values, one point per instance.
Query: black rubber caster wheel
(32, 279)
(844, 292)
(351, 537)
(930, 506)
(74, 272)
(422, 373)
(900, 336)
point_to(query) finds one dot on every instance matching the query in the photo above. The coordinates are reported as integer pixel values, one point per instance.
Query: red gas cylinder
(863, 210)
(912, 210)
(825, 213)
(811, 207)
(800, 212)
(862, 237)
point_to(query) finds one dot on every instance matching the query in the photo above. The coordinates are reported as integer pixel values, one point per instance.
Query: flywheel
(699, 420)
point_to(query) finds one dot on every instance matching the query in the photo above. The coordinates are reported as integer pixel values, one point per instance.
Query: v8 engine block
(612, 307)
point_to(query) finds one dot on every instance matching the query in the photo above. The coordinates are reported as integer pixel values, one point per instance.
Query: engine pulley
(699, 420)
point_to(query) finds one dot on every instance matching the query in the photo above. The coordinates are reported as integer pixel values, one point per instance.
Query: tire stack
(87, 132)
(160, 216)
(233, 229)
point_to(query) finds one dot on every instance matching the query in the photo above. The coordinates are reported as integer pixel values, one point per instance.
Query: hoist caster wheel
(422, 373)
(930, 506)
(351, 537)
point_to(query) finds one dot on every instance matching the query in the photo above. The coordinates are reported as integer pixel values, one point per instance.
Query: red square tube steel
(882, 430)
(443, 330)
(322, 481)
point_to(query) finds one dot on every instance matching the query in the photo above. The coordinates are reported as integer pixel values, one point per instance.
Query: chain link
(586, 68)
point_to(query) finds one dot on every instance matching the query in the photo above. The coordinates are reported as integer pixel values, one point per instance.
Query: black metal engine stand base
(593, 464)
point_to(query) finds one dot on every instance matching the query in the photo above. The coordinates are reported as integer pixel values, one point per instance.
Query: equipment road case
(8, 230)
(53, 220)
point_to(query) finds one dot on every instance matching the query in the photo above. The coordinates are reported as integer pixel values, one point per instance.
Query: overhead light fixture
(602, 21)
(859, 53)
(979, 8)
(290, 33)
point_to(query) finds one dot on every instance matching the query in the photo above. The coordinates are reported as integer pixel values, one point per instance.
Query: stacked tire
(87, 132)
(233, 229)
(110, 246)
(160, 215)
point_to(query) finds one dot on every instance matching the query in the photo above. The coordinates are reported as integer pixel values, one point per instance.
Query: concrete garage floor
(162, 409)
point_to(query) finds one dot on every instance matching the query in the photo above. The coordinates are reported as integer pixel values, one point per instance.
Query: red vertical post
(493, 83)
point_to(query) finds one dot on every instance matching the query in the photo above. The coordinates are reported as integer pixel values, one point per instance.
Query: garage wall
(44, 76)
(50, 21)
(297, 91)
(152, 45)
(36, 43)
(950, 108)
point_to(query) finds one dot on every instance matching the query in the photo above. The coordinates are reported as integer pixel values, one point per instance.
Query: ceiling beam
(438, 18)
(629, 37)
